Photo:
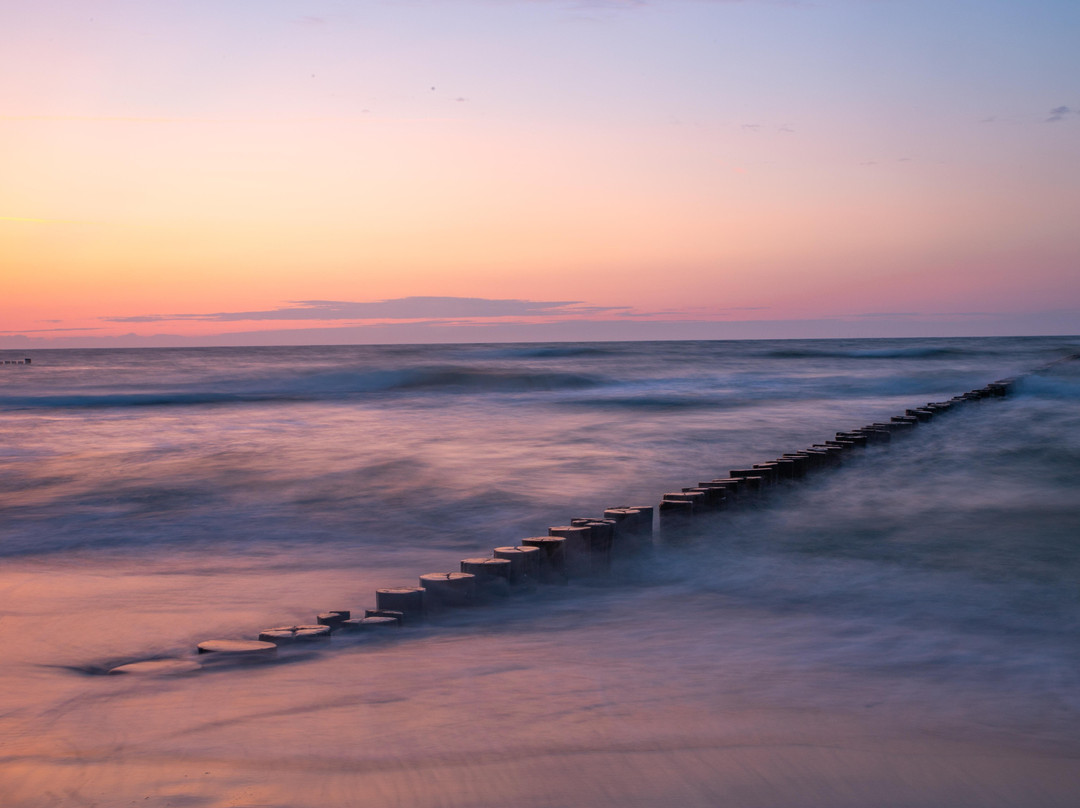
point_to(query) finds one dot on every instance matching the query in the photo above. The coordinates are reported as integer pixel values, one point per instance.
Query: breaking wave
(868, 353)
(317, 387)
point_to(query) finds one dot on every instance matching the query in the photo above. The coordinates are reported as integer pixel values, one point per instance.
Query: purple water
(899, 631)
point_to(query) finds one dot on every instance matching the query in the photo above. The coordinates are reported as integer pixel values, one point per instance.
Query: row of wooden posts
(580, 549)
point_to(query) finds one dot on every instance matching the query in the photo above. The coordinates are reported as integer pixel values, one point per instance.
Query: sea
(900, 630)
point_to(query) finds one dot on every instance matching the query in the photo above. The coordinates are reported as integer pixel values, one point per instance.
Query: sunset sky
(313, 171)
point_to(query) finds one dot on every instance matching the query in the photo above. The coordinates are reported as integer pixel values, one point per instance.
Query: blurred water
(924, 593)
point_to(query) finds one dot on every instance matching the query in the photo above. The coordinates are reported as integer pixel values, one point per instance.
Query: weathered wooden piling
(890, 427)
(400, 617)
(713, 490)
(843, 444)
(752, 485)
(771, 470)
(524, 562)
(675, 511)
(158, 667)
(717, 495)
(856, 438)
(766, 476)
(624, 518)
(492, 575)
(409, 600)
(578, 539)
(552, 556)
(874, 434)
(487, 568)
(786, 468)
(734, 487)
(333, 618)
(288, 635)
(645, 518)
(633, 528)
(712, 498)
(798, 465)
(904, 425)
(238, 650)
(636, 520)
(676, 516)
(696, 498)
(364, 624)
(602, 535)
(602, 531)
(447, 590)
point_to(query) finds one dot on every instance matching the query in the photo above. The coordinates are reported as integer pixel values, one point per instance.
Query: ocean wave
(655, 402)
(1050, 386)
(90, 400)
(926, 352)
(319, 386)
(551, 352)
(489, 380)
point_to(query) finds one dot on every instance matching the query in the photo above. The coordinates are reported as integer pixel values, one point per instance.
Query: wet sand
(778, 771)
(556, 701)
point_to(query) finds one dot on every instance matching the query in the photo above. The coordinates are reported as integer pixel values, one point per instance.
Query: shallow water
(898, 631)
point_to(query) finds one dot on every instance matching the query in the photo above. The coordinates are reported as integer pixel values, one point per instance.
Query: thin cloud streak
(1061, 113)
(403, 308)
(47, 330)
(889, 314)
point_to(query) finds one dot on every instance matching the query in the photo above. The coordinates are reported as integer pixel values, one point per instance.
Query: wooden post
(334, 618)
(552, 556)
(492, 575)
(287, 635)
(578, 538)
(448, 589)
(524, 562)
(409, 600)
(238, 650)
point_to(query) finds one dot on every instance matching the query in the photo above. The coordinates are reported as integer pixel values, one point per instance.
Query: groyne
(582, 548)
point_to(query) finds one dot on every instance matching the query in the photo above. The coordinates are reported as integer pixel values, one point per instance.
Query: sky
(199, 172)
